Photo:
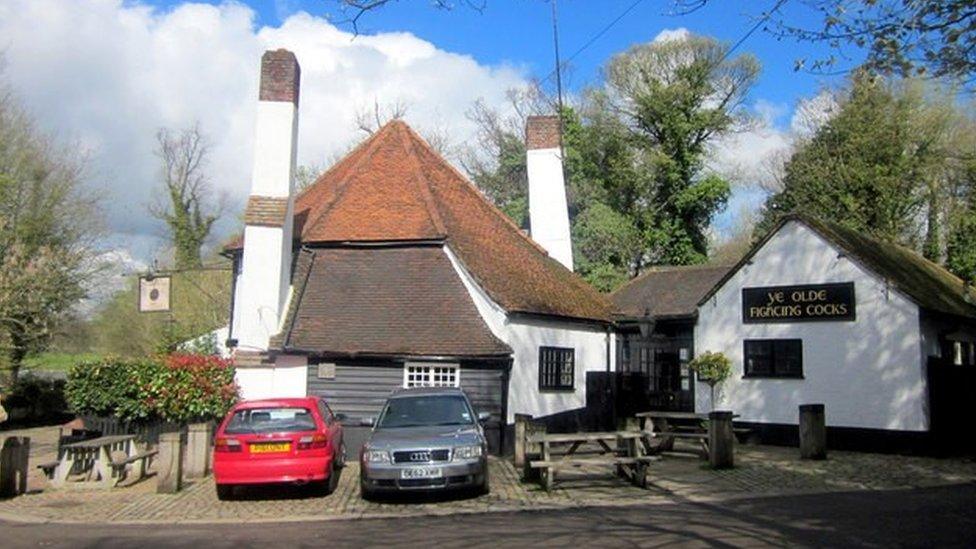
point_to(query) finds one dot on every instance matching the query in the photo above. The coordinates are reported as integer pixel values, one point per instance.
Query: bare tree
(354, 10)
(188, 208)
(368, 120)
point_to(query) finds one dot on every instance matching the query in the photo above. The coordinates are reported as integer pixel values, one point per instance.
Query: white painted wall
(287, 378)
(548, 214)
(525, 336)
(259, 301)
(266, 265)
(868, 373)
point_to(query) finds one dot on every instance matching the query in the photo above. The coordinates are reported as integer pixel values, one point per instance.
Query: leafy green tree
(634, 154)
(48, 228)
(865, 168)
(676, 97)
(898, 160)
(961, 245)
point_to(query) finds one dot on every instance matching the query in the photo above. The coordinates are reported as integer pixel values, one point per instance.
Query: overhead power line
(592, 40)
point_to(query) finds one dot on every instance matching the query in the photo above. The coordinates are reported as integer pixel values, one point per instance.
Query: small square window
(557, 371)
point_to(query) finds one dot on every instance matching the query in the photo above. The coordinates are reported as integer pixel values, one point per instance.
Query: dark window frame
(777, 353)
(556, 357)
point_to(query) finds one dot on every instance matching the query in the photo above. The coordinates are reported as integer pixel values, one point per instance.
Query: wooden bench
(631, 465)
(143, 460)
(48, 467)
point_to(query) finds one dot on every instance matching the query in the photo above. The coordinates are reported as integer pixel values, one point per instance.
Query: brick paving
(759, 471)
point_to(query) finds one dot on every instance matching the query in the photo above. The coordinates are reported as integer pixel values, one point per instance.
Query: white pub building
(393, 270)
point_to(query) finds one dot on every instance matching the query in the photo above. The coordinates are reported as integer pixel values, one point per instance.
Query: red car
(282, 440)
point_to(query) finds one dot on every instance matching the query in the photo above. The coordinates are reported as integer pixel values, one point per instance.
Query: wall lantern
(646, 324)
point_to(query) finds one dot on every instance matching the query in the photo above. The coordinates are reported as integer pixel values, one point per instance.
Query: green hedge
(179, 387)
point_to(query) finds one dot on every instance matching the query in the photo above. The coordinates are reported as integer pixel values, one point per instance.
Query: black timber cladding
(360, 388)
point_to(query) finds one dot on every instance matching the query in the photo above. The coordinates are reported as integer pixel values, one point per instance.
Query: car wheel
(225, 492)
(333, 481)
(485, 487)
(365, 492)
(342, 455)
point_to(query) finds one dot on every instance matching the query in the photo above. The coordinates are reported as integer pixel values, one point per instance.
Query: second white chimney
(548, 212)
(265, 278)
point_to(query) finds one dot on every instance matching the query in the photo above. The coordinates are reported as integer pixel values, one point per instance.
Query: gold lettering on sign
(797, 303)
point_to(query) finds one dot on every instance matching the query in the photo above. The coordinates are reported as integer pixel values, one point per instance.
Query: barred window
(556, 369)
(431, 375)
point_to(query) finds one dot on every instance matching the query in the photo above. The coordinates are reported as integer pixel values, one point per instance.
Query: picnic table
(667, 427)
(627, 454)
(103, 459)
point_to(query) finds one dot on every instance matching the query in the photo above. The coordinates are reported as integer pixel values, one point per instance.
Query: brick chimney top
(280, 76)
(542, 132)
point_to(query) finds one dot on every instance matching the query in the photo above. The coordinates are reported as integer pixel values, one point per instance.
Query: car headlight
(376, 456)
(467, 452)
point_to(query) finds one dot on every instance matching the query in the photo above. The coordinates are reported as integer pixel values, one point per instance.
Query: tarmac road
(941, 517)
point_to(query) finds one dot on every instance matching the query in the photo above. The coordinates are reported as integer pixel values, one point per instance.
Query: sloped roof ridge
(423, 186)
(653, 269)
(837, 235)
(469, 187)
(342, 163)
(351, 163)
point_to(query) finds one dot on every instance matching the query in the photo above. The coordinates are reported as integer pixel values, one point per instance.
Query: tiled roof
(394, 187)
(666, 292)
(266, 211)
(384, 301)
(929, 285)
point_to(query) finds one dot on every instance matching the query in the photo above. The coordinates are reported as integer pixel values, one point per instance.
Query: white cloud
(751, 158)
(812, 113)
(109, 73)
(666, 35)
(114, 269)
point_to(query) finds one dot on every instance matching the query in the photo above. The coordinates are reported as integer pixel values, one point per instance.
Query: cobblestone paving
(759, 471)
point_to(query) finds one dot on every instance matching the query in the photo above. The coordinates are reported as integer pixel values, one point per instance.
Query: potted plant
(713, 369)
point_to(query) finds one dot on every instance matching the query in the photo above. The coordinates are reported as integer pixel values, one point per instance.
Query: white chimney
(548, 214)
(265, 277)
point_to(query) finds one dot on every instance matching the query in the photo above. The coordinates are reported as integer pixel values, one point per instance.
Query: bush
(111, 387)
(191, 388)
(713, 369)
(179, 387)
(39, 397)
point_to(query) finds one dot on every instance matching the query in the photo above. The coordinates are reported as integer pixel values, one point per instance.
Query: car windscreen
(270, 420)
(426, 410)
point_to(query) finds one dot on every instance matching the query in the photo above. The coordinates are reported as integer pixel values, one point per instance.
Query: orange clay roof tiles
(394, 187)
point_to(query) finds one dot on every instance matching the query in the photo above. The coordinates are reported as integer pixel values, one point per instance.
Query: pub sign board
(805, 303)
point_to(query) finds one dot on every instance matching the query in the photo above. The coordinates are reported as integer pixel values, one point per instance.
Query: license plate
(270, 447)
(421, 472)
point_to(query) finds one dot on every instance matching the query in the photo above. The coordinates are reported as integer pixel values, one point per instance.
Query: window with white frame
(416, 374)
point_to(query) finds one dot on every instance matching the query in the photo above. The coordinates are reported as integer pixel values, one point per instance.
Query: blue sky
(107, 74)
(519, 32)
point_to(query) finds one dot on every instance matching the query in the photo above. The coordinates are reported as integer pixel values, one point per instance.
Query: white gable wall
(525, 336)
(869, 373)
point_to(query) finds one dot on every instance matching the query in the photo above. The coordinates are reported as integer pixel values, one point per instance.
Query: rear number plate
(421, 472)
(270, 447)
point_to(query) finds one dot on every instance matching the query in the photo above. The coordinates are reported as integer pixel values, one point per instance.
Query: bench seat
(575, 462)
(48, 467)
(679, 434)
(118, 464)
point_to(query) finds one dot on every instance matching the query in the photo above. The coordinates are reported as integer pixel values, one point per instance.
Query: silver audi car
(425, 439)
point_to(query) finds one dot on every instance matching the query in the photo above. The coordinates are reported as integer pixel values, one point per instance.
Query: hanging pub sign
(154, 294)
(807, 303)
